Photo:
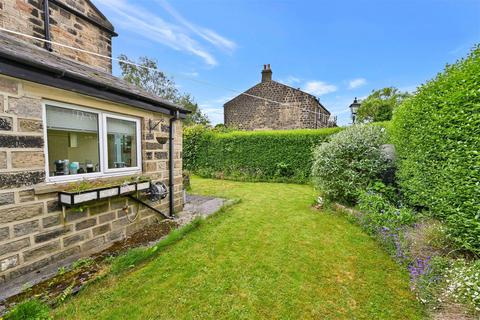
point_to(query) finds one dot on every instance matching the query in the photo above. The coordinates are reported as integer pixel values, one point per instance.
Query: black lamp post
(354, 108)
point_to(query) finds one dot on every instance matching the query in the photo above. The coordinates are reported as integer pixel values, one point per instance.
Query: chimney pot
(266, 73)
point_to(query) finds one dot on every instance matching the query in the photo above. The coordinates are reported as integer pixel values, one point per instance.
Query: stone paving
(199, 206)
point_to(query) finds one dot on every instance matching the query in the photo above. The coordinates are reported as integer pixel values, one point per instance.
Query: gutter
(171, 163)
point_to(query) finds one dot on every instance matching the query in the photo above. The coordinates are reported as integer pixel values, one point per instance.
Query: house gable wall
(34, 234)
(296, 109)
(26, 16)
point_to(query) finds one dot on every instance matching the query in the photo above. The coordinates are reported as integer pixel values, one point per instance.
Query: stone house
(273, 105)
(65, 119)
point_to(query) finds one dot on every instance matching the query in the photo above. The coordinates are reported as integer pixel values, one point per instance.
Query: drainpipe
(171, 161)
(46, 24)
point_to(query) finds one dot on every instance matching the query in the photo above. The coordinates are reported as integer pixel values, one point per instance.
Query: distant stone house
(273, 105)
(64, 119)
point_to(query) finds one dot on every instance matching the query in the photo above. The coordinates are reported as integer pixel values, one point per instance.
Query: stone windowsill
(44, 188)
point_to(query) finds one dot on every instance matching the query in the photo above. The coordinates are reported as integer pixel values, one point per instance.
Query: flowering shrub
(379, 213)
(380, 218)
(427, 278)
(349, 162)
(463, 283)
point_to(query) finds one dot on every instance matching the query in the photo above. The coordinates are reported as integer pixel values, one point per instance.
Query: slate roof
(16, 54)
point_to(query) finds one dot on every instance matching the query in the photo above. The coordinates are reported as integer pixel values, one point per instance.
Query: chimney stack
(266, 73)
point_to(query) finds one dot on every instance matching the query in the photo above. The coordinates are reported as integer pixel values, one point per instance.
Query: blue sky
(336, 50)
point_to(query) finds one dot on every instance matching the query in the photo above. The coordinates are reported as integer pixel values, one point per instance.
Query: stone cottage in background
(65, 119)
(273, 105)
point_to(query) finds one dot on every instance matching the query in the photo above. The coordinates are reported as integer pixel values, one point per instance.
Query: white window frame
(106, 169)
(102, 145)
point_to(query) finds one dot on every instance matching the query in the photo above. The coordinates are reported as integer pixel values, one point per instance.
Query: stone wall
(34, 234)
(26, 16)
(296, 110)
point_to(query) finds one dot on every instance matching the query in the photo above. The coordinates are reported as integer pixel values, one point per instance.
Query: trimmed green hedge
(282, 156)
(437, 138)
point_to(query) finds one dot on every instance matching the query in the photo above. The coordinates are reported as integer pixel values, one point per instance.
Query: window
(83, 142)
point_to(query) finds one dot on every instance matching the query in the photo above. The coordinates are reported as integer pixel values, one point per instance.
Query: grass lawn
(269, 257)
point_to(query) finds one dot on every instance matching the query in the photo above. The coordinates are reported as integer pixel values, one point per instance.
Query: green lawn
(269, 257)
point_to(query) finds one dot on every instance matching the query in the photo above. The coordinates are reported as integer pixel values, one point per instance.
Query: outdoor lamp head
(354, 106)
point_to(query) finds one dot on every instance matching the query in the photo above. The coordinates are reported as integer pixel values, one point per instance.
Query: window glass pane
(72, 137)
(122, 143)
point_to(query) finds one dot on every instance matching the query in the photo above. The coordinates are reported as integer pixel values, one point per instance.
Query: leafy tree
(379, 105)
(197, 116)
(148, 77)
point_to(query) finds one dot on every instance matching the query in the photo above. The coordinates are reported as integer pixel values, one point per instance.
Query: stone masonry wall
(33, 231)
(26, 16)
(296, 110)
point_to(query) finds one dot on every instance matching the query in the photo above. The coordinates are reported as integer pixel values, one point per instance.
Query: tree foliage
(380, 104)
(151, 79)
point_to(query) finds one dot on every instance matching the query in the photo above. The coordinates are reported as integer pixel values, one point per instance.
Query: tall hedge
(284, 155)
(437, 138)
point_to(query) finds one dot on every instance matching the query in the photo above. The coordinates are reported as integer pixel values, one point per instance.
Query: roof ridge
(284, 85)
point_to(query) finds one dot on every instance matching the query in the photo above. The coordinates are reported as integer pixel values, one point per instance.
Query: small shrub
(378, 217)
(29, 310)
(349, 161)
(380, 213)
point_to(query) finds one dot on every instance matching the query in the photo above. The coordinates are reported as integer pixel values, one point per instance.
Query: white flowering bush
(350, 161)
(463, 283)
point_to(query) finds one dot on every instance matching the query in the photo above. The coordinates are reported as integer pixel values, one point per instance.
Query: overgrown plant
(349, 162)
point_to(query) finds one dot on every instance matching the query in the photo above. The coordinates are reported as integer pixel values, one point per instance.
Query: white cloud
(215, 115)
(357, 83)
(319, 88)
(136, 19)
(213, 108)
(192, 74)
(207, 34)
(291, 80)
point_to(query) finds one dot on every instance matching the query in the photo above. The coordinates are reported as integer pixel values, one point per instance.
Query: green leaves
(437, 137)
(148, 77)
(252, 155)
(349, 162)
(380, 104)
